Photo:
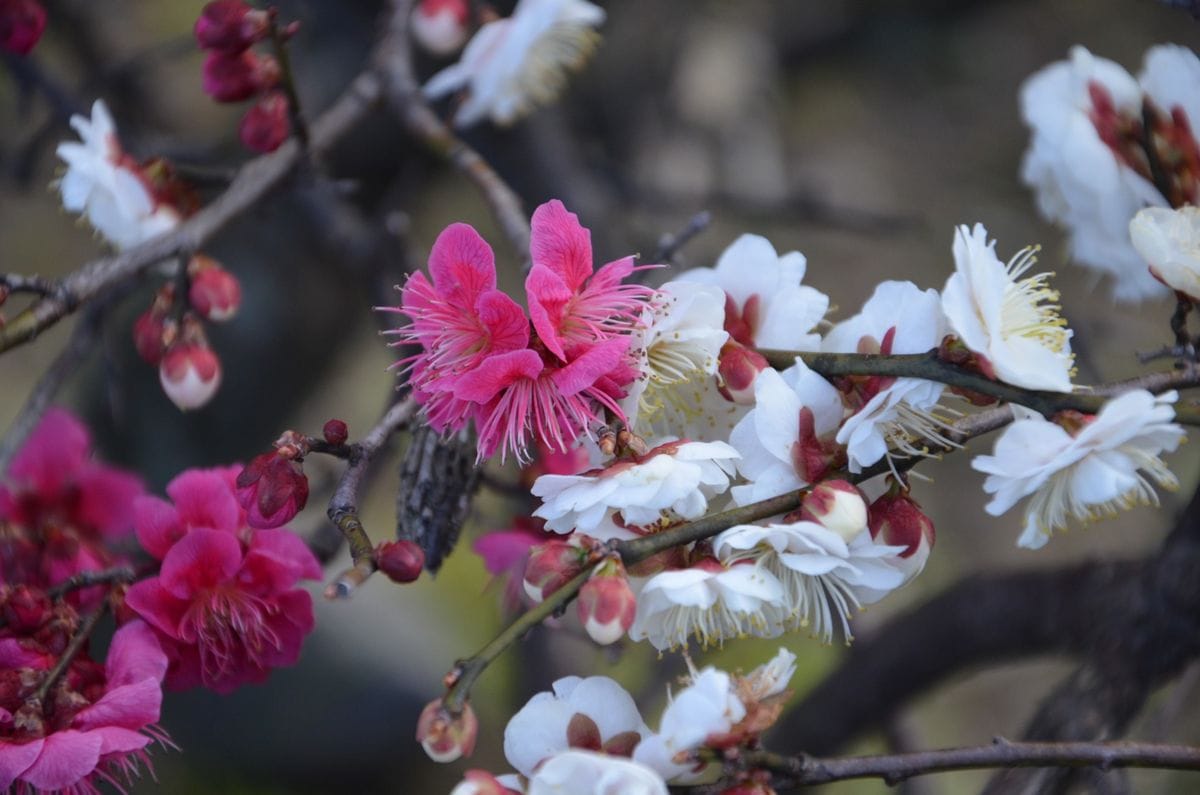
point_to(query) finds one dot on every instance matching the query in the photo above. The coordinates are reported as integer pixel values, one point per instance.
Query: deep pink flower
(505, 553)
(230, 26)
(94, 725)
(233, 78)
(267, 123)
(272, 489)
(225, 601)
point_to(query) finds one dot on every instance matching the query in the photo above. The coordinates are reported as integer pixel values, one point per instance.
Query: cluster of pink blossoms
(549, 374)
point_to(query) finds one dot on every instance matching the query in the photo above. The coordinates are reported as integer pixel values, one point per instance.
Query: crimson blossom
(225, 602)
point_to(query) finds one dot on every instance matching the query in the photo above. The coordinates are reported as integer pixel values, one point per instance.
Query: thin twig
(670, 244)
(16, 283)
(287, 81)
(894, 768)
(343, 505)
(73, 647)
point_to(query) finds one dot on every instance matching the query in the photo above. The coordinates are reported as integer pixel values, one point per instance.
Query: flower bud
(738, 367)
(21, 25)
(215, 293)
(446, 737)
(233, 78)
(190, 374)
(272, 489)
(401, 560)
(149, 332)
(551, 565)
(266, 125)
(230, 26)
(24, 609)
(440, 26)
(481, 782)
(335, 432)
(837, 505)
(895, 519)
(607, 604)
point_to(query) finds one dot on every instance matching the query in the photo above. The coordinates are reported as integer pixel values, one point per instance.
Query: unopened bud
(446, 737)
(738, 368)
(481, 782)
(23, 608)
(607, 604)
(551, 566)
(266, 124)
(233, 78)
(440, 26)
(272, 489)
(190, 374)
(148, 336)
(215, 293)
(335, 432)
(836, 505)
(895, 519)
(230, 26)
(21, 25)
(402, 561)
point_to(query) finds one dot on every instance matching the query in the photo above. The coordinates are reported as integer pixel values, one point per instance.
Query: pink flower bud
(233, 78)
(607, 604)
(21, 25)
(215, 293)
(149, 332)
(230, 26)
(551, 565)
(440, 26)
(24, 609)
(895, 519)
(446, 737)
(837, 505)
(266, 125)
(272, 489)
(481, 782)
(190, 373)
(401, 560)
(335, 432)
(739, 367)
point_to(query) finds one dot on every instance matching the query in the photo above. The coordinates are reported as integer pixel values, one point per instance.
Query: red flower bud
(230, 26)
(481, 782)
(215, 293)
(233, 78)
(895, 519)
(401, 560)
(24, 609)
(190, 374)
(149, 331)
(266, 125)
(335, 432)
(739, 367)
(440, 26)
(273, 489)
(446, 737)
(21, 25)
(607, 604)
(551, 565)
(837, 505)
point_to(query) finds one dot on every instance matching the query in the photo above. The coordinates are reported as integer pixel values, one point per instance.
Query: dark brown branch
(894, 768)
(670, 244)
(88, 579)
(69, 653)
(343, 505)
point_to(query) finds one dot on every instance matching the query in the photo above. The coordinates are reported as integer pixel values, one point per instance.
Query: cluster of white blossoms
(587, 737)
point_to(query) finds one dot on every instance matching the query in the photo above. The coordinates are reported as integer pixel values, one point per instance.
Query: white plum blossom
(770, 307)
(587, 773)
(770, 437)
(513, 65)
(708, 706)
(1103, 465)
(101, 183)
(1169, 240)
(673, 480)
(678, 342)
(595, 713)
(1009, 320)
(825, 577)
(899, 317)
(769, 679)
(708, 602)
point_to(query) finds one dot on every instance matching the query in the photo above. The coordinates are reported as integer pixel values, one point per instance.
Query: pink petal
(202, 559)
(293, 621)
(548, 295)
(53, 453)
(106, 499)
(505, 321)
(152, 602)
(592, 365)
(204, 498)
(134, 654)
(613, 273)
(503, 549)
(157, 524)
(497, 372)
(67, 757)
(276, 559)
(14, 655)
(131, 707)
(560, 243)
(116, 740)
(16, 758)
(462, 265)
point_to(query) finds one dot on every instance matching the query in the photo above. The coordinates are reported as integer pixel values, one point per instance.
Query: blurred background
(856, 132)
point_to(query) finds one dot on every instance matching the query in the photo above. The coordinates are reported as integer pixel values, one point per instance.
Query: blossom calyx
(738, 369)
(230, 26)
(444, 736)
(896, 519)
(273, 488)
(607, 605)
(402, 561)
(836, 505)
(189, 371)
(551, 566)
(233, 78)
(214, 293)
(266, 124)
